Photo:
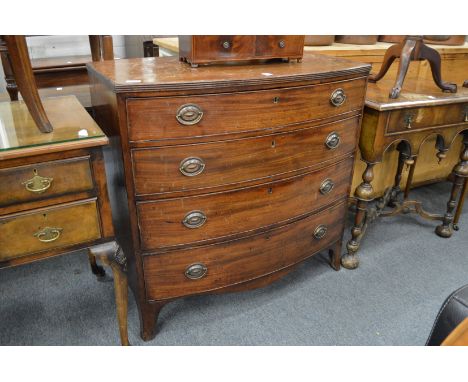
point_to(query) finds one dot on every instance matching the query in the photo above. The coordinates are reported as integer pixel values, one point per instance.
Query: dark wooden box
(214, 49)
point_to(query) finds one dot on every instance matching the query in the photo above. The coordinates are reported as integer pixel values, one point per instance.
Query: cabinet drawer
(203, 166)
(216, 266)
(184, 117)
(279, 46)
(208, 48)
(44, 180)
(48, 228)
(409, 120)
(196, 219)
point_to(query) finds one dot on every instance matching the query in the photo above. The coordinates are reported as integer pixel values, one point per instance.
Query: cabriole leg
(97, 270)
(113, 256)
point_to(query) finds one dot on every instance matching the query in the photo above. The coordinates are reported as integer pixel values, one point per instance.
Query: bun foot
(350, 261)
(443, 231)
(456, 227)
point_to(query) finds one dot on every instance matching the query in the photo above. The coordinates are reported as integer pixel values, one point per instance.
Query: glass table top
(70, 121)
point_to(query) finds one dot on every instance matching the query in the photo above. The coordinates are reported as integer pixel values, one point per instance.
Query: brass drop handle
(48, 234)
(196, 271)
(338, 97)
(191, 166)
(320, 231)
(327, 186)
(333, 140)
(281, 44)
(37, 184)
(189, 114)
(194, 219)
(466, 115)
(226, 45)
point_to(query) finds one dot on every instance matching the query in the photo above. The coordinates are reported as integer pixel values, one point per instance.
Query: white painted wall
(65, 45)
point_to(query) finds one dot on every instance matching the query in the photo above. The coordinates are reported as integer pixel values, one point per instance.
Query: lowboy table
(53, 191)
(422, 110)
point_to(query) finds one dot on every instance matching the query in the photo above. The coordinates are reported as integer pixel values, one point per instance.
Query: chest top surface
(415, 92)
(167, 73)
(73, 128)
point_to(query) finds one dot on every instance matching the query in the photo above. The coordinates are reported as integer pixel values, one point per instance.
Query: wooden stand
(412, 49)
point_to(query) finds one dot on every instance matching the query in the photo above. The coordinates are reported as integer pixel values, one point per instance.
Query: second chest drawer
(44, 180)
(197, 219)
(204, 166)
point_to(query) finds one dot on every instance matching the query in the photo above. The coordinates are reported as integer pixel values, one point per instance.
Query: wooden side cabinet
(53, 192)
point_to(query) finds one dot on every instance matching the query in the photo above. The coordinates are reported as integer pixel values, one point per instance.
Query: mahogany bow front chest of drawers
(226, 177)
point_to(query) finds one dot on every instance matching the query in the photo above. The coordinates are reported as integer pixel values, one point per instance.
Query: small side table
(53, 189)
(421, 111)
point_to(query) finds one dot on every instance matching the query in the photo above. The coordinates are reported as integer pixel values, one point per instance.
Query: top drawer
(45, 180)
(408, 120)
(185, 117)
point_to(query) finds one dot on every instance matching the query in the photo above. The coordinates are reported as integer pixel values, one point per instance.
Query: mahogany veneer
(221, 182)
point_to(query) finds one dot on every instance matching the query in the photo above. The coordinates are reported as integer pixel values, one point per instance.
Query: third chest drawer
(197, 219)
(183, 168)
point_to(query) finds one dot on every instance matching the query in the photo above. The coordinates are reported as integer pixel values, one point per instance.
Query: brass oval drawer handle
(48, 234)
(466, 114)
(196, 271)
(320, 231)
(226, 45)
(333, 140)
(281, 44)
(189, 114)
(194, 219)
(327, 186)
(338, 97)
(191, 166)
(37, 184)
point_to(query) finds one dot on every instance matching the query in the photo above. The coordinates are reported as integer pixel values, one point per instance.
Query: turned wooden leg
(21, 66)
(434, 59)
(461, 201)
(460, 173)
(364, 194)
(405, 59)
(113, 256)
(335, 255)
(409, 181)
(149, 313)
(11, 87)
(97, 270)
(390, 55)
(402, 158)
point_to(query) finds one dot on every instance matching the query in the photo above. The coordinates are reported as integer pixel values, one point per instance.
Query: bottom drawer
(48, 228)
(197, 270)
